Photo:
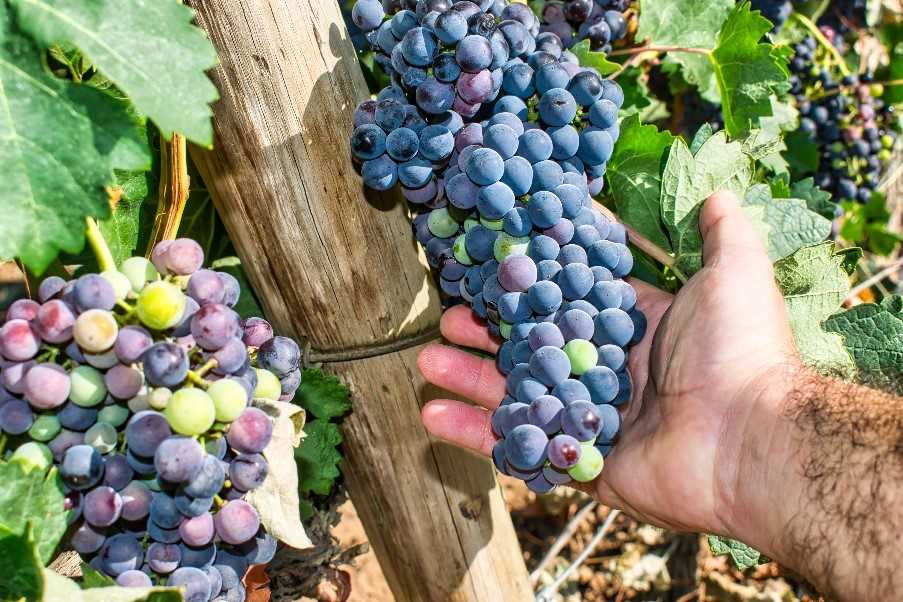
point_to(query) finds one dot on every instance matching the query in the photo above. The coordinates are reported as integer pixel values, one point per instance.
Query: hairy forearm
(819, 484)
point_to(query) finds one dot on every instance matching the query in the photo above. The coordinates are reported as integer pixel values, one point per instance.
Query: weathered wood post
(346, 274)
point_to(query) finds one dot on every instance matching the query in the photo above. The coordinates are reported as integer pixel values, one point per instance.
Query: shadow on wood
(344, 273)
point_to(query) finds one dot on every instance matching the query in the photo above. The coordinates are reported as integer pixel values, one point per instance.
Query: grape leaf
(277, 500)
(688, 180)
(92, 578)
(150, 50)
(20, 566)
(636, 91)
(873, 334)
(704, 132)
(596, 60)
(634, 176)
(748, 73)
(814, 282)
(785, 224)
(323, 395)
(687, 24)
(32, 496)
(743, 556)
(61, 143)
(318, 458)
(816, 199)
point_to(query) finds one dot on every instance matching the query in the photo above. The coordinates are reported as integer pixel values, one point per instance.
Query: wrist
(756, 472)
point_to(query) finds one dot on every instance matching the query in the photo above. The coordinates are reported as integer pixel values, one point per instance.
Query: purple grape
(259, 550)
(250, 432)
(55, 321)
(121, 553)
(82, 467)
(545, 412)
(581, 420)
(93, 291)
(46, 386)
(564, 451)
(165, 365)
(16, 417)
(611, 422)
(123, 382)
(178, 459)
(136, 500)
(236, 522)
(248, 471)
(60, 444)
(231, 357)
(525, 447)
(117, 472)
(133, 578)
(205, 286)
(145, 431)
(602, 384)
(556, 476)
(87, 539)
(257, 331)
(183, 257)
(195, 583)
(163, 558)
(19, 342)
(197, 530)
(208, 479)
(213, 325)
(279, 355)
(131, 343)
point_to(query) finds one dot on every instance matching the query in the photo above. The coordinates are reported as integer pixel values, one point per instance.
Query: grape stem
(197, 380)
(173, 193)
(819, 11)
(652, 48)
(644, 244)
(818, 35)
(99, 246)
(218, 501)
(3, 443)
(210, 365)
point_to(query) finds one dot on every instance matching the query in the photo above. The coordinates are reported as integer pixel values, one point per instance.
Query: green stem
(218, 501)
(2, 443)
(99, 245)
(818, 35)
(652, 48)
(197, 380)
(819, 11)
(210, 365)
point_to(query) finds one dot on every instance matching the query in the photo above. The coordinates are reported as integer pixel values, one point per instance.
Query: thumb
(729, 238)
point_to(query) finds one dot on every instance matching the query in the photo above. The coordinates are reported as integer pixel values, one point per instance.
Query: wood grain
(343, 270)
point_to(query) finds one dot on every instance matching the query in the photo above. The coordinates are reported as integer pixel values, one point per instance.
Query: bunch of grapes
(502, 195)
(776, 11)
(602, 22)
(137, 384)
(850, 124)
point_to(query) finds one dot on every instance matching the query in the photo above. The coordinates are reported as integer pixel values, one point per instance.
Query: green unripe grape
(87, 386)
(158, 398)
(139, 272)
(884, 155)
(160, 305)
(441, 224)
(44, 428)
(492, 224)
(876, 90)
(268, 386)
(190, 412)
(589, 466)
(583, 355)
(461, 252)
(506, 245)
(229, 399)
(121, 285)
(33, 455)
(139, 402)
(887, 141)
(115, 415)
(469, 224)
(102, 437)
(95, 330)
(505, 329)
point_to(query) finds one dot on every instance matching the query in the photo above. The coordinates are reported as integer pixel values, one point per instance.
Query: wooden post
(343, 272)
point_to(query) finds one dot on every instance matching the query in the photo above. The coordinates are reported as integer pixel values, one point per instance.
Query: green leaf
(636, 91)
(687, 24)
(20, 566)
(61, 144)
(31, 496)
(596, 60)
(786, 224)
(816, 199)
(803, 154)
(873, 334)
(132, 594)
(704, 132)
(748, 73)
(323, 395)
(634, 176)
(57, 587)
(687, 181)
(743, 556)
(92, 578)
(814, 282)
(318, 458)
(150, 50)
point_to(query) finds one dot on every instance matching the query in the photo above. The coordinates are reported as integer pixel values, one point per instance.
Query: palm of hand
(693, 376)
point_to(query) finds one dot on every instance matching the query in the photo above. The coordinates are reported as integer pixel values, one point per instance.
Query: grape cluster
(503, 208)
(602, 22)
(776, 11)
(850, 124)
(136, 383)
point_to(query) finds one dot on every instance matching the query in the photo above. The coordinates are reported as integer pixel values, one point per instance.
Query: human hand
(703, 383)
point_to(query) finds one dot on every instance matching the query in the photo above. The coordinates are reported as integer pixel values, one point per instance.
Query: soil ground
(634, 561)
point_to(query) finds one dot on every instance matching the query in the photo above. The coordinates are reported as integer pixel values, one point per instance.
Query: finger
(460, 423)
(463, 374)
(728, 235)
(461, 326)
